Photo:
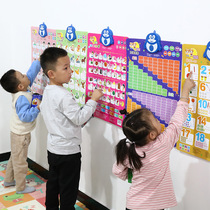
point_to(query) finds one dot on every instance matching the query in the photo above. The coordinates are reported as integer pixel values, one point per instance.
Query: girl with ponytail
(145, 150)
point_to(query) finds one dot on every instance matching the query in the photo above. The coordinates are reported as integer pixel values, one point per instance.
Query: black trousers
(64, 175)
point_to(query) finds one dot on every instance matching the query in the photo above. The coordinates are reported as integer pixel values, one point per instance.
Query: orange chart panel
(195, 135)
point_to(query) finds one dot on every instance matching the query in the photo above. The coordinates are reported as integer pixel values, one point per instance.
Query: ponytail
(126, 149)
(136, 127)
(121, 151)
(134, 158)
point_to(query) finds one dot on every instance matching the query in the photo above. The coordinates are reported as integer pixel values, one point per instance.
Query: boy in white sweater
(63, 118)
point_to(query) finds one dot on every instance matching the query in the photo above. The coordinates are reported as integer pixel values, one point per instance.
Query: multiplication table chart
(195, 135)
(153, 80)
(106, 69)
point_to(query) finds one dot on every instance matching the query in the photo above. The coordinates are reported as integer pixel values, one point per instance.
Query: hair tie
(128, 141)
(124, 111)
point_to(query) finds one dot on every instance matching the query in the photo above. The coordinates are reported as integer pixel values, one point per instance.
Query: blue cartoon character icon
(206, 54)
(107, 37)
(153, 43)
(42, 30)
(71, 33)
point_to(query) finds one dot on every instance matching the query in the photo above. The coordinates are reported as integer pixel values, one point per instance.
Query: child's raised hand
(97, 93)
(38, 103)
(188, 85)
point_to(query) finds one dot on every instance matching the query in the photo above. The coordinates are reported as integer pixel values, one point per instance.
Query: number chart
(38, 45)
(153, 80)
(77, 52)
(195, 135)
(106, 69)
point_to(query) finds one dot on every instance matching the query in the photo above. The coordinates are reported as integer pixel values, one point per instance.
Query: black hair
(49, 58)
(136, 127)
(124, 111)
(10, 82)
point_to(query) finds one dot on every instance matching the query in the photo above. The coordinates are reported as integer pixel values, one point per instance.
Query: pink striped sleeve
(120, 171)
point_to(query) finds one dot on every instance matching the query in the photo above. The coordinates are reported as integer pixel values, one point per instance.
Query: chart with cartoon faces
(38, 45)
(106, 69)
(153, 80)
(77, 52)
(195, 135)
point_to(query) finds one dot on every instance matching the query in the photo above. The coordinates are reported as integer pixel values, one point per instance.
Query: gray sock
(8, 184)
(27, 190)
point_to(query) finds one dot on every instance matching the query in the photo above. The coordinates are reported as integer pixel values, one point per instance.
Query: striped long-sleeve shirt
(152, 187)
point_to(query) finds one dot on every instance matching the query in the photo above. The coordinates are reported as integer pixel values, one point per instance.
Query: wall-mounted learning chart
(38, 45)
(106, 69)
(77, 51)
(195, 134)
(153, 80)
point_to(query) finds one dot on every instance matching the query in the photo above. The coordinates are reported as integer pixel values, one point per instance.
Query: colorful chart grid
(195, 135)
(162, 104)
(38, 45)
(153, 80)
(77, 52)
(106, 69)
(165, 69)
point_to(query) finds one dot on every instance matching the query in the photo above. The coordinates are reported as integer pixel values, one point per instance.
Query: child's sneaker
(9, 184)
(27, 190)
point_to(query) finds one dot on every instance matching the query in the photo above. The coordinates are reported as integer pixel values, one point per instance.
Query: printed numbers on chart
(203, 124)
(192, 68)
(189, 117)
(185, 132)
(200, 137)
(203, 70)
(201, 120)
(204, 73)
(190, 122)
(204, 90)
(203, 104)
(202, 86)
(204, 107)
(201, 141)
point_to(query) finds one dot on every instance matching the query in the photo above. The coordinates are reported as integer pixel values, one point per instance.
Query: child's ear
(50, 74)
(152, 135)
(20, 87)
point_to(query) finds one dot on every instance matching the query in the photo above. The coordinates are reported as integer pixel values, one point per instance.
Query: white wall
(184, 21)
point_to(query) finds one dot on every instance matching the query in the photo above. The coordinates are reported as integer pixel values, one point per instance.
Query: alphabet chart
(38, 45)
(153, 80)
(77, 52)
(195, 135)
(106, 69)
